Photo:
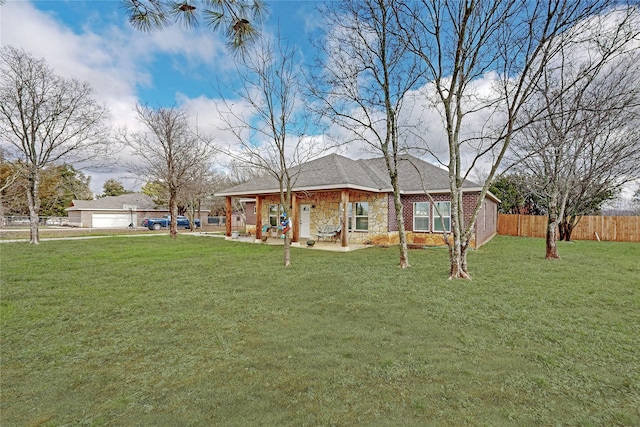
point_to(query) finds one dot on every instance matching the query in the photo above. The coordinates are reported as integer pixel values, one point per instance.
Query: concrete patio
(274, 241)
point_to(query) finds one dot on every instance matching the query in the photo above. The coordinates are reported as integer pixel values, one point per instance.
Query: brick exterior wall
(383, 228)
(486, 224)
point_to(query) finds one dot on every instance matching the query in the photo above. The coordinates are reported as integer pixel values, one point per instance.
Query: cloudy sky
(92, 41)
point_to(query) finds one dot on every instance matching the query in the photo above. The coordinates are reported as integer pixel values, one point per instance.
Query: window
(361, 216)
(275, 215)
(442, 216)
(421, 216)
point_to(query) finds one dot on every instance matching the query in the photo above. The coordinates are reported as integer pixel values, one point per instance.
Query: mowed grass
(146, 331)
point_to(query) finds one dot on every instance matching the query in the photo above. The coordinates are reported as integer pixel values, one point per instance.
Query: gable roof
(141, 201)
(338, 172)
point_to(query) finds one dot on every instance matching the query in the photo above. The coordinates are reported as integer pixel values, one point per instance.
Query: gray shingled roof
(141, 201)
(335, 172)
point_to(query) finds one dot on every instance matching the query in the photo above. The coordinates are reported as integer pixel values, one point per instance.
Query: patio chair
(328, 232)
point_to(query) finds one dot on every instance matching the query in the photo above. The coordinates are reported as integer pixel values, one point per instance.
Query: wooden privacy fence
(613, 228)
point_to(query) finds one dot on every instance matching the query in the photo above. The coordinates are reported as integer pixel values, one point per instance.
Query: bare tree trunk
(562, 230)
(458, 258)
(404, 250)
(457, 248)
(287, 250)
(173, 211)
(33, 199)
(565, 228)
(463, 256)
(552, 245)
(458, 261)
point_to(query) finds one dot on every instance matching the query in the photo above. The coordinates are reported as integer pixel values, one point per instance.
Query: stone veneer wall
(326, 211)
(383, 229)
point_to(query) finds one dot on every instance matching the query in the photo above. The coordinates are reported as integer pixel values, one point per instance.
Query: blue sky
(177, 62)
(92, 41)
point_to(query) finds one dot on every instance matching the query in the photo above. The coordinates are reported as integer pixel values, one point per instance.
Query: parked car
(158, 223)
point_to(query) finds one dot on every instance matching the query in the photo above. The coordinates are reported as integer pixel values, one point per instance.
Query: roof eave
(305, 188)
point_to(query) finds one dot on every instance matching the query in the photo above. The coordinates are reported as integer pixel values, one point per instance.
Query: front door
(305, 221)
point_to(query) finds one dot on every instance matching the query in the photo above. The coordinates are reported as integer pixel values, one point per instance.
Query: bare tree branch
(271, 132)
(363, 82)
(171, 152)
(46, 119)
(509, 43)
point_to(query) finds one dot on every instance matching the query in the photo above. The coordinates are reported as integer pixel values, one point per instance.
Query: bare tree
(236, 18)
(170, 152)
(507, 44)
(366, 73)
(586, 142)
(198, 185)
(46, 119)
(271, 131)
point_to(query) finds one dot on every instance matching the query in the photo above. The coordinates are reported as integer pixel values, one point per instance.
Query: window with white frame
(421, 216)
(358, 212)
(442, 216)
(275, 215)
(362, 216)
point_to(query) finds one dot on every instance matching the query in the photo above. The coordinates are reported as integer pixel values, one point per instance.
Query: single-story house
(325, 186)
(116, 211)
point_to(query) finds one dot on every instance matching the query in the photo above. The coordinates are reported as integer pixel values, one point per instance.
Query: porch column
(344, 198)
(258, 218)
(295, 220)
(229, 214)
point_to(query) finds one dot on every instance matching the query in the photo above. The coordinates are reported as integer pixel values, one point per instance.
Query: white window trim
(351, 217)
(421, 216)
(278, 216)
(356, 216)
(445, 215)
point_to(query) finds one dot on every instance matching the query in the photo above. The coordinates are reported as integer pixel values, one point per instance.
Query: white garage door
(112, 220)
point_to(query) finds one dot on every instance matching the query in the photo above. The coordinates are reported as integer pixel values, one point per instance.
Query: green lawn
(146, 331)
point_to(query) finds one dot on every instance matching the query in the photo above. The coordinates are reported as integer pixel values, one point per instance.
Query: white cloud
(114, 58)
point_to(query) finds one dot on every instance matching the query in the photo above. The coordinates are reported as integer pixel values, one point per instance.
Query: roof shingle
(141, 201)
(335, 171)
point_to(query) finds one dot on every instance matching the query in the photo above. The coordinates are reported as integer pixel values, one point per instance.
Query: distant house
(113, 211)
(117, 211)
(325, 186)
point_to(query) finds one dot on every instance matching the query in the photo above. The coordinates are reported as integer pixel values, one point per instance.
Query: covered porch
(310, 213)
